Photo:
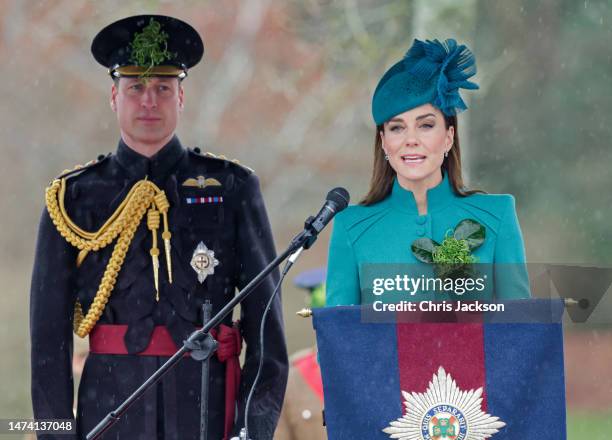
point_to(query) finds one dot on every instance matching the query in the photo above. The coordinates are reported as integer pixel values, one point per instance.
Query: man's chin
(152, 137)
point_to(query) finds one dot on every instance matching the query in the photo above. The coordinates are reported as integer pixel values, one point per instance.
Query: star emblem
(203, 261)
(444, 412)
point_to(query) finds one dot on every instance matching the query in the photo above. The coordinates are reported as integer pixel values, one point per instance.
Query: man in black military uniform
(130, 247)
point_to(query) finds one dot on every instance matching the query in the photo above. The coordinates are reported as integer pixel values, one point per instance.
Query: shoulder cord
(143, 196)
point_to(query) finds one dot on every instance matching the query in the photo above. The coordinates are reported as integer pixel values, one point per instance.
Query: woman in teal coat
(417, 198)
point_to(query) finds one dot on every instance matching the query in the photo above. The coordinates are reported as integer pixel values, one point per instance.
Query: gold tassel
(161, 201)
(153, 225)
(166, 237)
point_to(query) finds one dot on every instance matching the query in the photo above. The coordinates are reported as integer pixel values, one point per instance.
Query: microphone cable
(264, 317)
(337, 200)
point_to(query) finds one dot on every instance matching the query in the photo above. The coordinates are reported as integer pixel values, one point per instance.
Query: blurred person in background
(417, 208)
(132, 245)
(302, 414)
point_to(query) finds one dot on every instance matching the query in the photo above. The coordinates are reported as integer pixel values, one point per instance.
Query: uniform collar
(156, 167)
(437, 197)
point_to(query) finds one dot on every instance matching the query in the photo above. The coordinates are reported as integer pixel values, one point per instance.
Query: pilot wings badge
(201, 182)
(444, 412)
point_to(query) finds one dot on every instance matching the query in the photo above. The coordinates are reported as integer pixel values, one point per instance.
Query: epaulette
(80, 168)
(198, 152)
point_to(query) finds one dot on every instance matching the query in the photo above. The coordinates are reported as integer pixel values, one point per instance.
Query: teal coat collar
(438, 197)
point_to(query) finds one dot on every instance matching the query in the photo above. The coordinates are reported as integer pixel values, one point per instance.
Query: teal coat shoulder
(383, 232)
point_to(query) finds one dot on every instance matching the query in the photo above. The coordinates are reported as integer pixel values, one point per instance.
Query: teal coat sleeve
(342, 287)
(511, 279)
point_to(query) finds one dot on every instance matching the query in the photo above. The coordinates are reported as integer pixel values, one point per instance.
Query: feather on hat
(430, 72)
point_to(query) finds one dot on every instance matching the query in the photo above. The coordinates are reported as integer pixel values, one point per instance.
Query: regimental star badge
(203, 262)
(201, 182)
(444, 412)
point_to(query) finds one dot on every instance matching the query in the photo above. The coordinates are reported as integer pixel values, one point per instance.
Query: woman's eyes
(399, 128)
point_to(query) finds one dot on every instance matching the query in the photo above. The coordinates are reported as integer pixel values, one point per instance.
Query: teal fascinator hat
(430, 72)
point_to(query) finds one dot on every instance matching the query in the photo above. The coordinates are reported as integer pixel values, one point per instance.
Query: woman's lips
(413, 158)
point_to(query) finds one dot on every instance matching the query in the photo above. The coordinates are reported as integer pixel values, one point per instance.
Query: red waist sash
(108, 339)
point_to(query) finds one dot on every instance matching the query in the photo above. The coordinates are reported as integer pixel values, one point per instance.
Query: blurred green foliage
(589, 425)
(541, 128)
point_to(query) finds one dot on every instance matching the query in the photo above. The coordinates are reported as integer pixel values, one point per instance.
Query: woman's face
(415, 142)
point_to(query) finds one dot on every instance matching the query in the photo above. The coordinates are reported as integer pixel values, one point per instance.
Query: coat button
(420, 231)
(197, 150)
(421, 219)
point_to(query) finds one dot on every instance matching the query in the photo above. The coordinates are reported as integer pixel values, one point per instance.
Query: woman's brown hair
(383, 175)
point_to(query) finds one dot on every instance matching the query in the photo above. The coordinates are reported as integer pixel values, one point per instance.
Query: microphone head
(339, 197)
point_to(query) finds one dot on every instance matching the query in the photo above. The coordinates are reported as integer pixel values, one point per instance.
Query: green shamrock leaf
(150, 47)
(470, 231)
(453, 251)
(453, 257)
(423, 249)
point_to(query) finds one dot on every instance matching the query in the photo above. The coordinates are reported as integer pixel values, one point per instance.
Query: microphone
(337, 199)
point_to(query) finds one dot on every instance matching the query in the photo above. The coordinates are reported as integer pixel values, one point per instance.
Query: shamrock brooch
(453, 258)
(150, 47)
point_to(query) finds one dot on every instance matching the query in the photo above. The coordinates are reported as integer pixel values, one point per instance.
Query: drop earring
(446, 153)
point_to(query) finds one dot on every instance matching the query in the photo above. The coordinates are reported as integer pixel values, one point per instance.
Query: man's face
(147, 111)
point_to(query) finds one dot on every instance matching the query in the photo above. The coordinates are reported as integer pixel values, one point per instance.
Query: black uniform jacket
(236, 229)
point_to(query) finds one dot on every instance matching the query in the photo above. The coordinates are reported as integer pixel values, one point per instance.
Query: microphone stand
(206, 311)
(200, 344)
